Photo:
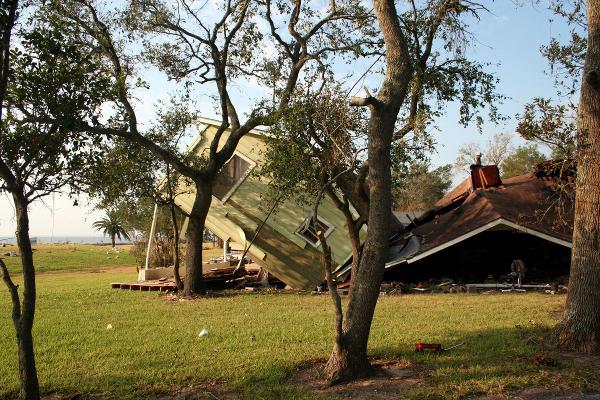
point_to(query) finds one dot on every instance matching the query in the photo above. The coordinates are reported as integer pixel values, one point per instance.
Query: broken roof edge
(208, 122)
(474, 232)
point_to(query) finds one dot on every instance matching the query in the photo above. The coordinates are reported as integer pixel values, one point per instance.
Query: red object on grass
(421, 347)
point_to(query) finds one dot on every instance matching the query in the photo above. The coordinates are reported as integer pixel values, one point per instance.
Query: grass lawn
(256, 341)
(60, 257)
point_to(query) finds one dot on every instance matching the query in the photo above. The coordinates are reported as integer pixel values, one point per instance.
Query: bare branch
(13, 290)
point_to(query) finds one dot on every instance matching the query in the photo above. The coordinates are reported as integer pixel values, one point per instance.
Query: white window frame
(330, 228)
(238, 183)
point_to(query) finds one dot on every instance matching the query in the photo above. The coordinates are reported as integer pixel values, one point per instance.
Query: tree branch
(14, 292)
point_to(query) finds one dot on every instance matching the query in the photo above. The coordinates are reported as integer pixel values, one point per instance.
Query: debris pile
(446, 285)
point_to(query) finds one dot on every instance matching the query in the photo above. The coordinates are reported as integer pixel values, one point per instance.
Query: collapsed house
(281, 242)
(476, 231)
(473, 234)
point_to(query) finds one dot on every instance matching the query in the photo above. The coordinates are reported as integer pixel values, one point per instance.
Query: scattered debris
(203, 332)
(249, 276)
(109, 327)
(446, 285)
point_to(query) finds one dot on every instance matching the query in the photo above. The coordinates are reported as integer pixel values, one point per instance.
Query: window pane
(310, 233)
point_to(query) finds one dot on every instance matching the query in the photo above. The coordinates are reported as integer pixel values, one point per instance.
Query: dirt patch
(206, 391)
(391, 379)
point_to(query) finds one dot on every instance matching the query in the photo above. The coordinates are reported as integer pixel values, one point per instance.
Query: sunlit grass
(60, 257)
(255, 341)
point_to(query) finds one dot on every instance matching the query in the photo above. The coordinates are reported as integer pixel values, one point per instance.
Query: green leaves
(554, 125)
(55, 80)
(317, 137)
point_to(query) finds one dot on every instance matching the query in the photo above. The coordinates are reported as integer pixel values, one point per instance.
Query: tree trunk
(178, 281)
(580, 328)
(113, 241)
(27, 372)
(353, 227)
(348, 360)
(194, 283)
(353, 186)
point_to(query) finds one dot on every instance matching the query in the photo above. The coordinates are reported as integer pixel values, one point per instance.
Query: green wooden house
(285, 245)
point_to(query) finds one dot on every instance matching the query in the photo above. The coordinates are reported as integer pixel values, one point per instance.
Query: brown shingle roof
(525, 200)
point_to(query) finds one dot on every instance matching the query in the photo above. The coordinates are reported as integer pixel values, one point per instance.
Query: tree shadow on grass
(497, 362)
(492, 362)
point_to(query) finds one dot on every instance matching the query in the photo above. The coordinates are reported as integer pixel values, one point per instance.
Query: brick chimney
(484, 176)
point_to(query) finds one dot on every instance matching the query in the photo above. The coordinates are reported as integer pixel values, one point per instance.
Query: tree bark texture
(27, 371)
(348, 360)
(194, 284)
(580, 328)
(178, 281)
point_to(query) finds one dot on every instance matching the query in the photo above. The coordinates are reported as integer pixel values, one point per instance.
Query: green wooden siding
(286, 255)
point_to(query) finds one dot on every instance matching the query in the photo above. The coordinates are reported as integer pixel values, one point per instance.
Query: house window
(309, 233)
(230, 177)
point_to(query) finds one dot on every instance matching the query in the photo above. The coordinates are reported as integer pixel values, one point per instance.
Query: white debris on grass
(109, 326)
(203, 332)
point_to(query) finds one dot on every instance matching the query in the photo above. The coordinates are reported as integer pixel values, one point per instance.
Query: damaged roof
(527, 203)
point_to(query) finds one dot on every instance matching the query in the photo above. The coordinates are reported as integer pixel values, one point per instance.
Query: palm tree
(111, 226)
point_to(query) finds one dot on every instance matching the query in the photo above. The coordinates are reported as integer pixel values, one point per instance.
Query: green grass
(61, 257)
(256, 341)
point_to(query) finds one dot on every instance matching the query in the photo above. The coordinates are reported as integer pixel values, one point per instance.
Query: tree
(580, 327)
(421, 187)
(522, 160)
(112, 227)
(495, 152)
(349, 356)
(41, 80)
(325, 138)
(322, 136)
(192, 50)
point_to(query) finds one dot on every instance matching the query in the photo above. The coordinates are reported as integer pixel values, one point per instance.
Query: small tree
(112, 227)
(43, 87)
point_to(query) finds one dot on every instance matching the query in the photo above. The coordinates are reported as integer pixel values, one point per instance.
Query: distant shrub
(161, 255)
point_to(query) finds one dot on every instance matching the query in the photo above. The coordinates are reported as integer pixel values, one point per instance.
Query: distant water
(63, 239)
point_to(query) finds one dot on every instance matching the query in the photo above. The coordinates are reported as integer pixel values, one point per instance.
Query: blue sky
(509, 37)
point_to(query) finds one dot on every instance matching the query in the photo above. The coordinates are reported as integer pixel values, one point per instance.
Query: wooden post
(152, 230)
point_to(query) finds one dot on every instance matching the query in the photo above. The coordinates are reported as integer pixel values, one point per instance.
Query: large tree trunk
(194, 283)
(178, 281)
(580, 328)
(348, 360)
(27, 371)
